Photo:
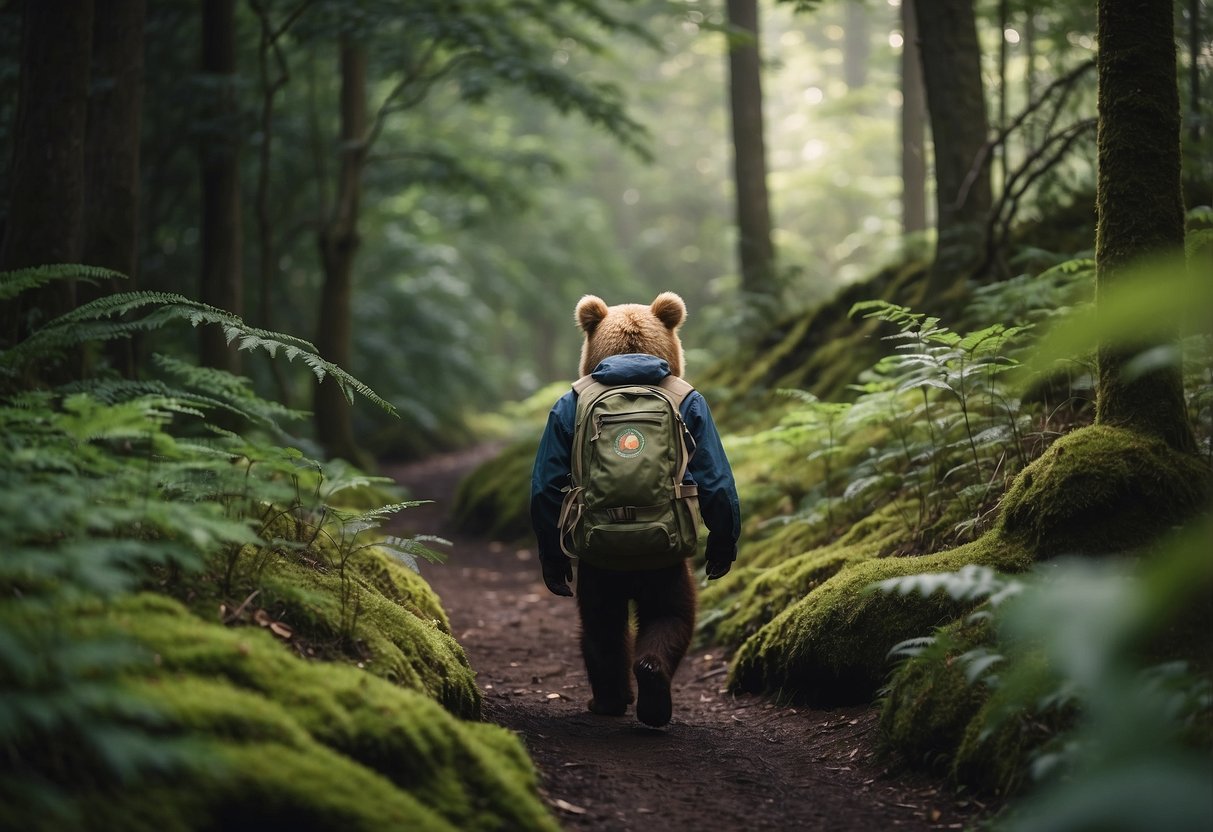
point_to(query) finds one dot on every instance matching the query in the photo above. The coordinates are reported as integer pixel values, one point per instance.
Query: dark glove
(719, 558)
(557, 574)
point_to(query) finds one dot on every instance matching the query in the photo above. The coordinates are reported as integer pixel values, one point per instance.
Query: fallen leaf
(565, 806)
(281, 630)
(553, 696)
(262, 617)
(935, 814)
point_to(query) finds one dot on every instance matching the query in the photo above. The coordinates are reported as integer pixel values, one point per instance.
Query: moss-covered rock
(1102, 489)
(775, 581)
(930, 701)
(280, 742)
(494, 499)
(832, 645)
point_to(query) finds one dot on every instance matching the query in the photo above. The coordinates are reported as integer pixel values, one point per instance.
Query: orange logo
(628, 443)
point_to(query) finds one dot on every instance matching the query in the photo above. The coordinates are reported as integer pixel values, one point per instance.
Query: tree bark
(913, 127)
(47, 179)
(338, 241)
(1139, 198)
(951, 64)
(220, 282)
(111, 156)
(1194, 68)
(755, 250)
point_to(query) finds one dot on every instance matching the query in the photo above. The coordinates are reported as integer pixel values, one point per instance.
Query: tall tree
(111, 154)
(1139, 198)
(338, 243)
(47, 176)
(220, 281)
(913, 127)
(951, 68)
(755, 250)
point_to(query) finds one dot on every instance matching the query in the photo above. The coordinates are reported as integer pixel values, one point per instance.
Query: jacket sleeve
(709, 467)
(552, 472)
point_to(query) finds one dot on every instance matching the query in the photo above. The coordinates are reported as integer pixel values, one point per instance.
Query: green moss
(402, 585)
(832, 645)
(1102, 489)
(280, 742)
(398, 643)
(494, 499)
(931, 701)
(749, 602)
(994, 753)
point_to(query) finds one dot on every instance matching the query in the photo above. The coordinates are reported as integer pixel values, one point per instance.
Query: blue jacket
(708, 468)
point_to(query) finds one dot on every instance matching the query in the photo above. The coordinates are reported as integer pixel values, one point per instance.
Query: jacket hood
(632, 368)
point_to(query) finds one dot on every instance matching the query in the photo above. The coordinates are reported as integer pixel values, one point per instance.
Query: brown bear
(634, 344)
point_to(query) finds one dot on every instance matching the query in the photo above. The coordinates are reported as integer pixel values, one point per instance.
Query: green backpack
(627, 507)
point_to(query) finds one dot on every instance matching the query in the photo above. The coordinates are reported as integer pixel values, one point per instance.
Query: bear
(634, 344)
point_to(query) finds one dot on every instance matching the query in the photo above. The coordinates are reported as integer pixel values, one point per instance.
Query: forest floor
(724, 762)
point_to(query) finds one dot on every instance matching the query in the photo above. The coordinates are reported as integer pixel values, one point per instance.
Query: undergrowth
(120, 706)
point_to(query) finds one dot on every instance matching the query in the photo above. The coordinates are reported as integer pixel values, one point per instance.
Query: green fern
(14, 283)
(92, 322)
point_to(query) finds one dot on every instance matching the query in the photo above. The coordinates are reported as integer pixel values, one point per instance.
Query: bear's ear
(590, 311)
(669, 309)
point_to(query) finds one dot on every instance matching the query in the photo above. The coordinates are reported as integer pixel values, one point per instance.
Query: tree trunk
(951, 64)
(1194, 69)
(1139, 198)
(1004, 18)
(47, 179)
(913, 127)
(220, 283)
(755, 250)
(856, 45)
(111, 156)
(1029, 74)
(338, 242)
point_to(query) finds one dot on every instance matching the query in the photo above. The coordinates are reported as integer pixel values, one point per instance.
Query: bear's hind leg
(666, 619)
(605, 640)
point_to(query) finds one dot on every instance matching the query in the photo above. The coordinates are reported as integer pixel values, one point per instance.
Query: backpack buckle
(622, 514)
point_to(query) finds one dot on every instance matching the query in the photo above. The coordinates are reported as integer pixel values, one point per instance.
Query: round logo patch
(628, 443)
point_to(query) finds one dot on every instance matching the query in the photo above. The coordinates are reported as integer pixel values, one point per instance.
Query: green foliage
(110, 317)
(1090, 675)
(494, 498)
(113, 702)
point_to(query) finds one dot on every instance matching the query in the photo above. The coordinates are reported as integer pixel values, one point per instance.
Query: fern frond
(15, 282)
(92, 322)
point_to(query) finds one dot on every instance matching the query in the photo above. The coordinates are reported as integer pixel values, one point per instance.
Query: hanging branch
(1004, 210)
(1063, 86)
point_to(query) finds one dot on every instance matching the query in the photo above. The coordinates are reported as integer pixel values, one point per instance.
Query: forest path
(724, 762)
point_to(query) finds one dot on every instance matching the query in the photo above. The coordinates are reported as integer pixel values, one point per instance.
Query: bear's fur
(665, 598)
(631, 328)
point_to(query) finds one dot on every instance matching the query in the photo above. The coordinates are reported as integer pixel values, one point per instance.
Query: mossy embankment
(278, 740)
(300, 686)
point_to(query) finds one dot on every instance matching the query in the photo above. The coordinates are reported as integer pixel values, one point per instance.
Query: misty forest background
(253, 250)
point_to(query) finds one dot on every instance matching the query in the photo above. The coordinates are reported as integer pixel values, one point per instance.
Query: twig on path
(718, 671)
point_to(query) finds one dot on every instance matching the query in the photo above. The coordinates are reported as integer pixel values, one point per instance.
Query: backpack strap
(678, 389)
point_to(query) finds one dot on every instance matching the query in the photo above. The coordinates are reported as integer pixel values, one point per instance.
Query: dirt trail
(724, 762)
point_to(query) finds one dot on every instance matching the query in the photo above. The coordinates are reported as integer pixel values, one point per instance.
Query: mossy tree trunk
(1139, 199)
(755, 250)
(338, 242)
(46, 196)
(951, 67)
(220, 281)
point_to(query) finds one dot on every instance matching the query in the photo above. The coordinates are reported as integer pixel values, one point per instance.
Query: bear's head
(629, 328)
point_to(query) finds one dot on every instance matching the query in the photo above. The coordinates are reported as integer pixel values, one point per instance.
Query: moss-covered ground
(280, 742)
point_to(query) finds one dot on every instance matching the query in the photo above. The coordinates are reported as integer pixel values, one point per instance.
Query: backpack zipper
(636, 416)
